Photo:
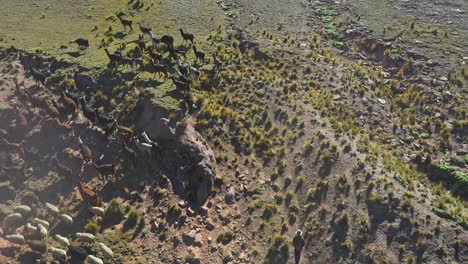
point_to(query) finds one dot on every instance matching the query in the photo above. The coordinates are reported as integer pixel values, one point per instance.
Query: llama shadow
(154, 83)
(29, 257)
(325, 170)
(137, 231)
(74, 54)
(177, 94)
(120, 35)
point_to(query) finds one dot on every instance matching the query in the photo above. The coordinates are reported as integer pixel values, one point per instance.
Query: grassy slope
(248, 99)
(49, 25)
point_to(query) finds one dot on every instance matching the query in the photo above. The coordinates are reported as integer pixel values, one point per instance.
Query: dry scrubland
(340, 122)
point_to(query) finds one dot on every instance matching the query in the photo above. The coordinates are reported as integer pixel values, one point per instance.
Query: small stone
(242, 256)
(182, 204)
(190, 211)
(204, 210)
(209, 225)
(154, 227)
(225, 216)
(214, 248)
(382, 101)
(189, 237)
(198, 240)
(230, 196)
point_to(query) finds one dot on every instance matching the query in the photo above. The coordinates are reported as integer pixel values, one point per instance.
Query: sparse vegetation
(91, 227)
(338, 132)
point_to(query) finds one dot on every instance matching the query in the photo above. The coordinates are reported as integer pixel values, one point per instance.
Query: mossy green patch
(424, 135)
(327, 14)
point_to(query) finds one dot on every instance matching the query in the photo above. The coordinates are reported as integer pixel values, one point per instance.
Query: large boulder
(85, 81)
(202, 158)
(186, 154)
(149, 120)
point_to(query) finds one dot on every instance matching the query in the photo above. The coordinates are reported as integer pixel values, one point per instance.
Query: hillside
(340, 120)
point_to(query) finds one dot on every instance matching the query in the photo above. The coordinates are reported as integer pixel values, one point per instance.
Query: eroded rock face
(203, 169)
(85, 81)
(150, 121)
(189, 158)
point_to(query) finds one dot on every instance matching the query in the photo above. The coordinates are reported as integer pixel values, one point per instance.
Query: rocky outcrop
(149, 120)
(187, 155)
(203, 168)
(85, 81)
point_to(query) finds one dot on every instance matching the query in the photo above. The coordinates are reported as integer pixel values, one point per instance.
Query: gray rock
(229, 198)
(85, 81)
(209, 225)
(382, 101)
(189, 238)
(190, 151)
(190, 211)
(182, 204)
(214, 248)
(198, 239)
(202, 157)
(203, 210)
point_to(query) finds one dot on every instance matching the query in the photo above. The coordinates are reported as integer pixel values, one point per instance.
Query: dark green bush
(115, 210)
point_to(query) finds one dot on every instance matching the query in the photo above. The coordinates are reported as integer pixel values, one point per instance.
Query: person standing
(298, 243)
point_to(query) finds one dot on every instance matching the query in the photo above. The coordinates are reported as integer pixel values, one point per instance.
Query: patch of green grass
(225, 237)
(327, 13)
(162, 96)
(447, 215)
(91, 227)
(269, 210)
(133, 218)
(174, 210)
(49, 25)
(424, 135)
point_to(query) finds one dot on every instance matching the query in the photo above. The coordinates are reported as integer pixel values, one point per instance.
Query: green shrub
(115, 210)
(462, 178)
(29, 197)
(279, 251)
(444, 167)
(91, 227)
(158, 193)
(132, 219)
(225, 237)
(424, 135)
(174, 210)
(269, 210)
